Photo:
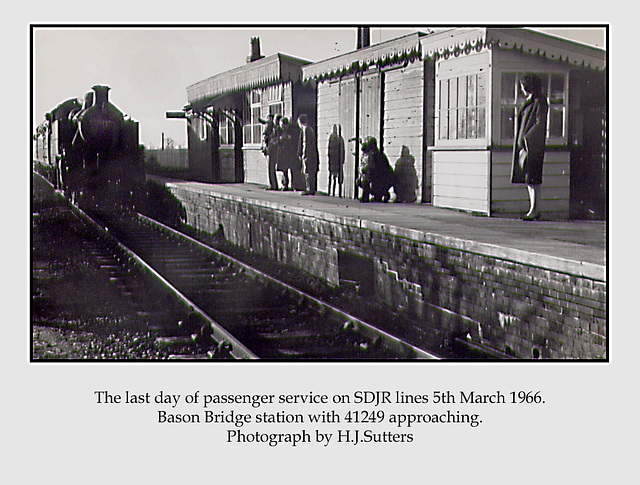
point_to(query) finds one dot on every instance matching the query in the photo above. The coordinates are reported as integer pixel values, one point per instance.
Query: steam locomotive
(91, 151)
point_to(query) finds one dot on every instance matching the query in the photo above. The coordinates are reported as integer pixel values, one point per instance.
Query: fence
(174, 158)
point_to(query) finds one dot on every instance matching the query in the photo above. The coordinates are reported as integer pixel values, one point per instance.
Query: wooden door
(588, 171)
(370, 107)
(347, 120)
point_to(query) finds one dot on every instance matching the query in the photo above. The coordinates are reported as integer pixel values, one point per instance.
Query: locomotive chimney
(364, 37)
(255, 50)
(102, 94)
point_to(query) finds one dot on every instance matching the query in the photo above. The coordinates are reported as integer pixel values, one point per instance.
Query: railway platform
(528, 289)
(575, 247)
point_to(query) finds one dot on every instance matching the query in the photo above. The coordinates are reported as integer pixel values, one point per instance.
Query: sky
(149, 69)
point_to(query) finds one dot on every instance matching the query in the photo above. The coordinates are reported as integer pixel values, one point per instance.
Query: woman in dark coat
(529, 142)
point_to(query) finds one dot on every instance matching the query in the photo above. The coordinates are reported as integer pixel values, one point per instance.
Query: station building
(442, 106)
(376, 91)
(224, 134)
(477, 72)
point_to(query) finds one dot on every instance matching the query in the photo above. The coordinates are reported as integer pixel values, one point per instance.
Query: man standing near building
(308, 154)
(335, 154)
(269, 136)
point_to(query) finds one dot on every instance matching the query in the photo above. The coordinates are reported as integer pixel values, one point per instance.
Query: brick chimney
(255, 50)
(364, 37)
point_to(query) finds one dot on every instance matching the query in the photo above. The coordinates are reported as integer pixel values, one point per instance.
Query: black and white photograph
(319, 193)
(313, 243)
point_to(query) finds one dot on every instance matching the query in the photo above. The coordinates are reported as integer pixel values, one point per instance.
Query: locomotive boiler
(91, 150)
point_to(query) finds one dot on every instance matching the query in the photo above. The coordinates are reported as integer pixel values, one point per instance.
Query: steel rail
(219, 334)
(391, 342)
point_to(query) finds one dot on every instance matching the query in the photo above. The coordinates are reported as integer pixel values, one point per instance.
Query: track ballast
(249, 314)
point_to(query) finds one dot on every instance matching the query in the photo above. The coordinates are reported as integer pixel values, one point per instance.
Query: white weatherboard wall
(512, 200)
(328, 106)
(403, 120)
(461, 180)
(462, 167)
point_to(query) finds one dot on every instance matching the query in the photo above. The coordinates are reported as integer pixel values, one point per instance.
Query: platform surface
(575, 247)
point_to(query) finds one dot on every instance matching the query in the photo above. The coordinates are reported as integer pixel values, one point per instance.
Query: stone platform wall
(460, 287)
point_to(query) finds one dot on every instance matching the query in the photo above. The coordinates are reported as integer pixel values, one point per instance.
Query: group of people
(294, 152)
(280, 140)
(291, 150)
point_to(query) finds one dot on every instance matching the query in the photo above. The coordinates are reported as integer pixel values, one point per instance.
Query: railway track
(247, 314)
(91, 300)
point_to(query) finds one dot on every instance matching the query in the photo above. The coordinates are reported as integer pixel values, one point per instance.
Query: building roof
(455, 42)
(385, 53)
(263, 72)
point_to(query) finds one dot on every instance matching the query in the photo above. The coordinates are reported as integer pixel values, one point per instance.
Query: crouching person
(376, 175)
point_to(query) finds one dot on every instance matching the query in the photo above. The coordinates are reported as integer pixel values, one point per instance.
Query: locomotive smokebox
(102, 123)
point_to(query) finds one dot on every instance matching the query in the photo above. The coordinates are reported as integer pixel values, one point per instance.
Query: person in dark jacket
(308, 154)
(335, 154)
(529, 142)
(287, 156)
(376, 174)
(269, 140)
(273, 152)
(269, 126)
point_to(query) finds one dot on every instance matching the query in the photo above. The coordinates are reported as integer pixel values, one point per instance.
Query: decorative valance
(263, 72)
(387, 53)
(463, 41)
(454, 42)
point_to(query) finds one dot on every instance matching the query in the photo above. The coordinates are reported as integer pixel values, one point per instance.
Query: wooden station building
(224, 134)
(374, 91)
(441, 105)
(477, 72)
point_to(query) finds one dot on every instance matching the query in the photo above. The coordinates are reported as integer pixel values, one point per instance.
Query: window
(273, 95)
(226, 128)
(201, 128)
(463, 107)
(202, 125)
(272, 99)
(554, 86)
(252, 130)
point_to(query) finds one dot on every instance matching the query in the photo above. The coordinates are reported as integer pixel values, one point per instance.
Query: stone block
(543, 302)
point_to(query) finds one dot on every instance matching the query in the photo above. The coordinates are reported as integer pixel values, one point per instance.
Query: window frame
(550, 140)
(202, 131)
(275, 100)
(258, 103)
(457, 75)
(226, 129)
(253, 102)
